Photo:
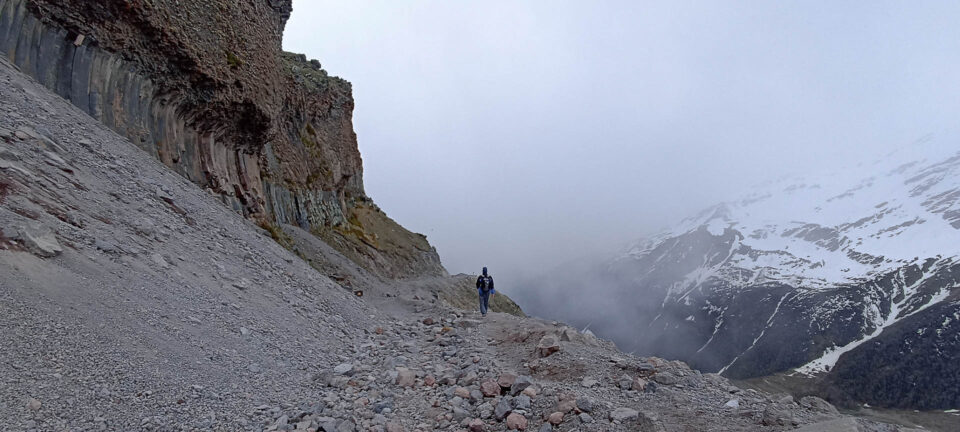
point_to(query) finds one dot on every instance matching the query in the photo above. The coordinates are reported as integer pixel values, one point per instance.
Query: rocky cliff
(206, 88)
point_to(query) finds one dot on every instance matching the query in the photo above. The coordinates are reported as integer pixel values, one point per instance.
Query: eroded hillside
(205, 88)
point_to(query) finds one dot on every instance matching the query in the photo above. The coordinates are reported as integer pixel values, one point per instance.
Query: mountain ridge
(793, 276)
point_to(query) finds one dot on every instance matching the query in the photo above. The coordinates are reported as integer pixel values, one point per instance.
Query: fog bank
(522, 135)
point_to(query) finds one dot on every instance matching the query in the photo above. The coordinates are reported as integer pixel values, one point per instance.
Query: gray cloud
(518, 135)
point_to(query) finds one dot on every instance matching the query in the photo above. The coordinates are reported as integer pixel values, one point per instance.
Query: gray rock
(486, 410)
(837, 425)
(585, 404)
(624, 414)
(521, 402)
(502, 409)
(546, 427)
(776, 416)
(519, 384)
(586, 418)
(40, 240)
(34, 405)
(459, 414)
(666, 378)
(106, 245)
(327, 424)
(406, 378)
(650, 422)
(548, 345)
(343, 369)
(346, 426)
(476, 395)
(468, 379)
(380, 406)
(625, 382)
(817, 404)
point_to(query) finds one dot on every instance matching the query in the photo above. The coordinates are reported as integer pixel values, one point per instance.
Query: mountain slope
(798, 275)
(205, 88)
(131, 299)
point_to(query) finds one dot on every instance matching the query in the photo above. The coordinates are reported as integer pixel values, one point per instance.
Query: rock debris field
(131, 300)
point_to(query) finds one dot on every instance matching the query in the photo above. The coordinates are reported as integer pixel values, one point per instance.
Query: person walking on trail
(485, 290)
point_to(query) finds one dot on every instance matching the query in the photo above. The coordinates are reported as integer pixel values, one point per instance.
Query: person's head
(484, 271)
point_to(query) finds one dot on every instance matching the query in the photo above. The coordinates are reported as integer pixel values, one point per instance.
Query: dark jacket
(489, 284)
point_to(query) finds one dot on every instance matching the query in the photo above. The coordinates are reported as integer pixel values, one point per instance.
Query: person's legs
(484, 298)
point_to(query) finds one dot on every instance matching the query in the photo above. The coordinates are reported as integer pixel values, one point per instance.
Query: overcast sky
(522, 134)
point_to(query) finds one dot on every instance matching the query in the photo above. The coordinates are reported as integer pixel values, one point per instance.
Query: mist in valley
(541, 139)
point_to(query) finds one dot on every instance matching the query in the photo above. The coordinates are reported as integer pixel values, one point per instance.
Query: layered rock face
(206, 88)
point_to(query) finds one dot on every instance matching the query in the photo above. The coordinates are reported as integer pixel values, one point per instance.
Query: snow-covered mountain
(806, 276)
(842, 227)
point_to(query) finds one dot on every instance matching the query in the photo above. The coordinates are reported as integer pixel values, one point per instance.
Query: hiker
(485, 290)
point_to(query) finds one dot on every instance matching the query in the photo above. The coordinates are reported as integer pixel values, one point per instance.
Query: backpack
(484, 283)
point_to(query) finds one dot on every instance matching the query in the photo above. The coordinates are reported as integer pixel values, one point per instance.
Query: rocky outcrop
(205, 88)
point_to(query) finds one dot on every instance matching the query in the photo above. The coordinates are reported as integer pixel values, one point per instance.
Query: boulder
(490, 388)
(506, 380)
(476, 425)
(625, 382)
(819, 405)
(39, 240)
(566, 406)
(406, 378)
(555, 418)
(585, 404)
(776, 416)
(624, 414)
(502, 409)
(516, 422)
(521, 402)
(639, 384)
(548, 345)
(520, 384)
(650, 422)
(459, 414)
(666, 378)
(343, 369)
